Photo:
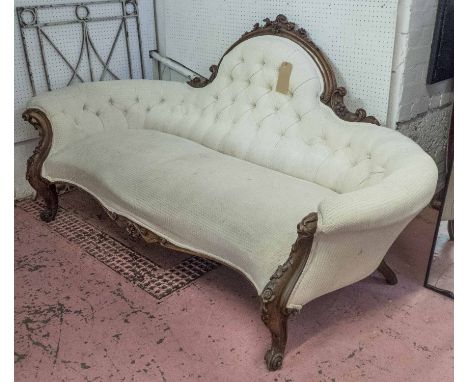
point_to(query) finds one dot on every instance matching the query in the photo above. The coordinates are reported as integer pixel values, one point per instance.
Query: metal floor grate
(134, 267)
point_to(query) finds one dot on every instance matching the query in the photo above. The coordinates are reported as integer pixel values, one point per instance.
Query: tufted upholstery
(377, 179)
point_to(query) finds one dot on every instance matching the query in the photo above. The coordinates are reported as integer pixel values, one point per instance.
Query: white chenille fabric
(229, 170)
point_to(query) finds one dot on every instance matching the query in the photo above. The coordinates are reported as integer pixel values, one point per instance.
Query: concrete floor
(78, 320)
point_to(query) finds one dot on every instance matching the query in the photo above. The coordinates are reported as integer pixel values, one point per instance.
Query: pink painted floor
(78, 320)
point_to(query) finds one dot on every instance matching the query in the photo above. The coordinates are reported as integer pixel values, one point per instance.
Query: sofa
(260, 167)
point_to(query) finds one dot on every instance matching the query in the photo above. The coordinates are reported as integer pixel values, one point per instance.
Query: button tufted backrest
(241, 114)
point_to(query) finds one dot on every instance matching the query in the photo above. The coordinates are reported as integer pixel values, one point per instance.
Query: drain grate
(134, 267)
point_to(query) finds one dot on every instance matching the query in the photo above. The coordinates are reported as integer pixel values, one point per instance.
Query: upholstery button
(85, 107)
(161, 100)
(98, 113)
(216, 96)
(148, 109)
(137, 99)
(111, 101)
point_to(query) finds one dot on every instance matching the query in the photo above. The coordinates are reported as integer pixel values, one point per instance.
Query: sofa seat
(237, 212)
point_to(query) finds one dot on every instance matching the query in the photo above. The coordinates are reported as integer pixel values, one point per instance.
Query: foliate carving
(332, 95)
(136, 231)
(280, 24)
(276, 293)
(340, 109)
(200, 82)
(43, 187)
(132, 230)
(305, 234)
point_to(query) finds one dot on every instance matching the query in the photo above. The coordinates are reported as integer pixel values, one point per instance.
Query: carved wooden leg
(43, 187)
(279, 336)
(276, 293)
(49, 194)
(387, 272)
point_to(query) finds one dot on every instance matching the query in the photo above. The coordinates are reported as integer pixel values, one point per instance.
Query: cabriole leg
(43, 187)
(276, 293)
(277, 324)
(49, 194)
(387, 273)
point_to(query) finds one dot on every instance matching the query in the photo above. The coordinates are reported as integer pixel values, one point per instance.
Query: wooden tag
(284, 74)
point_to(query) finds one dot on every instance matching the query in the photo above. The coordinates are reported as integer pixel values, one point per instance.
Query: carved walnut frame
(276, 294)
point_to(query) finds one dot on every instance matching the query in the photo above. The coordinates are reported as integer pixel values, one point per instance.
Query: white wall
(356, 35)
(419, 110)
(410, 96)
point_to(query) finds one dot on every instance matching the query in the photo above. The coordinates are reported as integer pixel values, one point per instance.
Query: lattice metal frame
(29, 18)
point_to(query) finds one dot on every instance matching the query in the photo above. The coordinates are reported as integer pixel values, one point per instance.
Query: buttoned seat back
(241, 114)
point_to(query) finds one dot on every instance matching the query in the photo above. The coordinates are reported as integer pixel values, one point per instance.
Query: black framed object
(441, 61)
(449, 168)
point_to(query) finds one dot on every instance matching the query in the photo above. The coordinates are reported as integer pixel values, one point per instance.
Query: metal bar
(174, 65)
(155, 16)
(89, 20)
(74, 70)
(44, 63)
(111, 51)
(142, 66)
(28, 18)
(63, 5)
(85, 30)
(26, 55)
(98, 56)
(129, 58)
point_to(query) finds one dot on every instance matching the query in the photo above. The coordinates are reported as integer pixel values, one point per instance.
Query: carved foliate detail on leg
(43, 187)
(387, 272)
(276, 293)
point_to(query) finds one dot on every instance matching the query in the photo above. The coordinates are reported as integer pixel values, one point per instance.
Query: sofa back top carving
(240, 113)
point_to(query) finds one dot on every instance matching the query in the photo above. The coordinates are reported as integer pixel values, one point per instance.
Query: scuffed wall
(418, 110)
(431, 131)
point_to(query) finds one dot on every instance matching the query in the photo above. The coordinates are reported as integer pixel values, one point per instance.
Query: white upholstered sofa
(226, 168)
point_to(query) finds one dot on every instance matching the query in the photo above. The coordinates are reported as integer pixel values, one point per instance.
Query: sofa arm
(401, 195)
(78, 111)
